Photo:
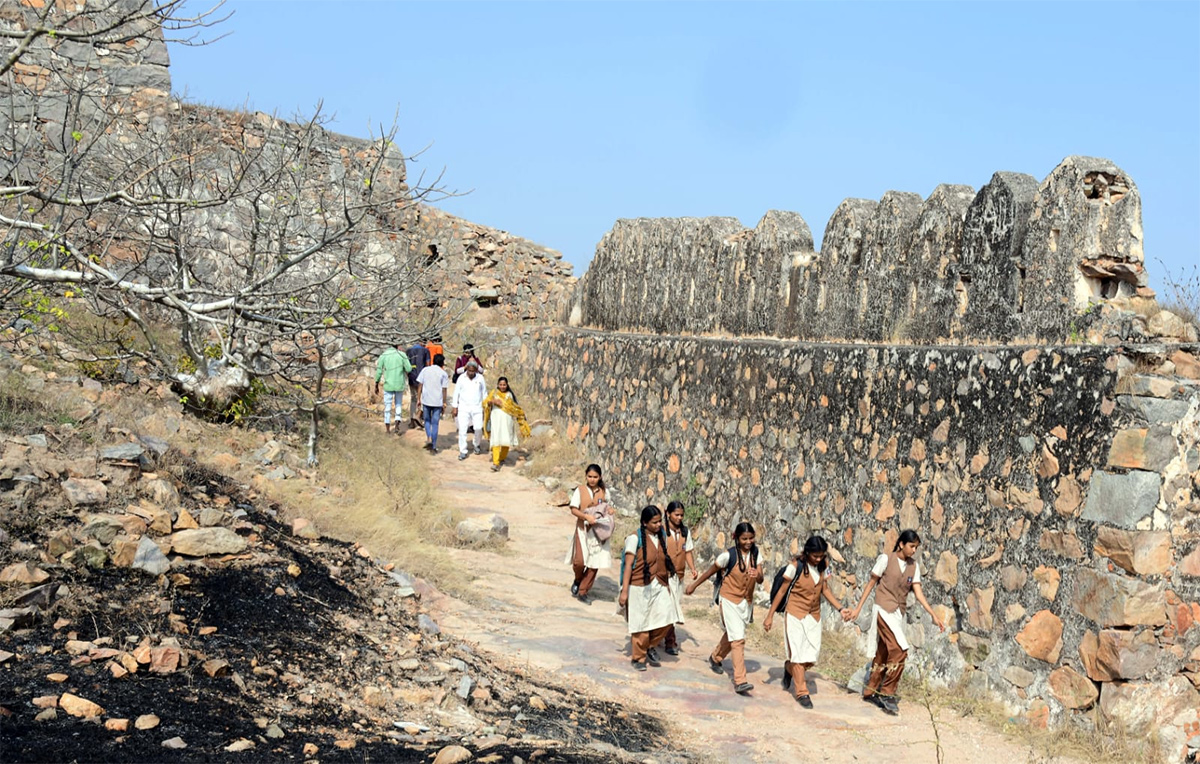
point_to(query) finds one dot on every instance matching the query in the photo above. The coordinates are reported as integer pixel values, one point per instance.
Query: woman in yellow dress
(504, 420)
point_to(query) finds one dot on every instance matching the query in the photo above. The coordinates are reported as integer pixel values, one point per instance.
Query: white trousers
(392, 399)
(469, 419)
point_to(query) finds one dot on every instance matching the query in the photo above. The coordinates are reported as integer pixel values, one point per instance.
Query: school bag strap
(778, 582)
(720, 578)
(635, 551)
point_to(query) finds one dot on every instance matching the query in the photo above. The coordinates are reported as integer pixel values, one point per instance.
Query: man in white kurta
(469, 394)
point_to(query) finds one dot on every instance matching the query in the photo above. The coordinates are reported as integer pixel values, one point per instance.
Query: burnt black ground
(322, 631)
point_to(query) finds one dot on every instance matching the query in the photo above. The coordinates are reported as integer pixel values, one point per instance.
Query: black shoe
(743, 688)
(787, 679)
(715, 665)
(574, 590)
(672, 649)
(889, 706)
(639, 665)
(804, 701)
(433, 449)
(584, 599)
(652, 658)
(880, 703)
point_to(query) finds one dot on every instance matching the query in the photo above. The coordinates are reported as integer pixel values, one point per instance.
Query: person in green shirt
(392, 367)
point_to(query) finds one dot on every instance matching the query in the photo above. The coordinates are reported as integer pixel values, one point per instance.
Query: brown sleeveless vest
(738, 584)
(891, 593)
(586, 500)
(648, 551)
(805, 598)
(675, 544)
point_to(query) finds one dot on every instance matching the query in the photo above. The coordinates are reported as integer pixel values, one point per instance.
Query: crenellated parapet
(693, 275)
(1015, 260)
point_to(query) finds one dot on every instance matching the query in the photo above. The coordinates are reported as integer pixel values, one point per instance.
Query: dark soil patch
(314, 637)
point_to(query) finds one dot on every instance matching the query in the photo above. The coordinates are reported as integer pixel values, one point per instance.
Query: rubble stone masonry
(1056, 488)
(1017, 260)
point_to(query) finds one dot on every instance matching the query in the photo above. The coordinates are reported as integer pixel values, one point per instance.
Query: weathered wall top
(1018, 259)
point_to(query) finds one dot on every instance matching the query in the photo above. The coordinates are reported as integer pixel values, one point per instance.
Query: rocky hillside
(154, 609)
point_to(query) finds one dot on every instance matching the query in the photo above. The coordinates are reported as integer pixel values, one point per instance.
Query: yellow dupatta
(505, 403)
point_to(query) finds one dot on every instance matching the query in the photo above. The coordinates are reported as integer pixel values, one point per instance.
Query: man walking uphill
(392, 367)
(419, 357)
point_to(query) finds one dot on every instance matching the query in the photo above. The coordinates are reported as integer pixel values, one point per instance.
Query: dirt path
(529, 615)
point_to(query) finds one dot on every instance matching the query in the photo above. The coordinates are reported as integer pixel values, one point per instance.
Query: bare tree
(230, 246)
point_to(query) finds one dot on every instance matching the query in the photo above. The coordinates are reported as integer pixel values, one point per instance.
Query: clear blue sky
(560, 118)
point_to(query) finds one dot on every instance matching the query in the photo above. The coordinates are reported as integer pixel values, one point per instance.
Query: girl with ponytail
(799, 598)
(588, 554)
(679, 549)
(893, 577)
(740, 570)
(645, 575)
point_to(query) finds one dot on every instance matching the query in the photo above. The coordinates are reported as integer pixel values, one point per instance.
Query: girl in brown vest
(741, 569)
(644, 588)
(804, 584)
(893, 576)
(679, 547)
(588, 555)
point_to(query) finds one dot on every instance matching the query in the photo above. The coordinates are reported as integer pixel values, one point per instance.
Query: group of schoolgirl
(652, 570)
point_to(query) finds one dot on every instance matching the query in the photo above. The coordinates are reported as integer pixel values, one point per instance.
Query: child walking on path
(740, 570)
(804, 584)
(645, 592)
(679, 548)
(588, 555)
(893, 577)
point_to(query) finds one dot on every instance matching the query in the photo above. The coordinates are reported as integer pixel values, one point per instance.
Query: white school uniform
(734, 617)
(595, 554)
(651, 606)
(894, 619)
(801, 636)
(676, 581)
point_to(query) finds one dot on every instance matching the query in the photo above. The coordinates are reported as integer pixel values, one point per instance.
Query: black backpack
(778, 582)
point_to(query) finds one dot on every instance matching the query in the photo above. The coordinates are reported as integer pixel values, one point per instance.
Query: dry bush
(1182, 293)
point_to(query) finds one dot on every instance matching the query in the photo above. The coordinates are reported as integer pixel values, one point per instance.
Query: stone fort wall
(1018, 259)
(1056, 488)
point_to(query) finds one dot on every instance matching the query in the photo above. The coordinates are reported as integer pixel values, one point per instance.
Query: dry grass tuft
(1182, 294)
(378, 494)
